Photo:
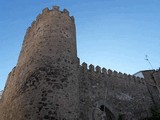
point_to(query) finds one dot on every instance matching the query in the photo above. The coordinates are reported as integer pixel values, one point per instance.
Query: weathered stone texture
(45, 81)
(119, 93)
(48, 83)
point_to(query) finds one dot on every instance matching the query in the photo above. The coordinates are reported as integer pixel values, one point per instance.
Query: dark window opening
(102, 108)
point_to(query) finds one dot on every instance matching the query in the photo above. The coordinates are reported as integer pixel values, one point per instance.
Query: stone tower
(48, 83)
(44, 83)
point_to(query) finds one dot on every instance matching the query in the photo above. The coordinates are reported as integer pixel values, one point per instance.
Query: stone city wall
(121, 94)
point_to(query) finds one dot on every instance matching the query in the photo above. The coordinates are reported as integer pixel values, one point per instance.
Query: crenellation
(109, 72)
(78, 62)
(28, 30)
(120, 75)
(91, 68)
(33, 23)
(55, 8)
(104, 71)
(84, 67)
(46, 10)
(38, 17)
(115, 73)
(125, 75)
(98, 69)
(129, 76)
(72, 18)
(65, 11)
(48, 81)
(26, 35)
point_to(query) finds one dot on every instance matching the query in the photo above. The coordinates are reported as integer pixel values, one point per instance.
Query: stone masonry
(48, 82)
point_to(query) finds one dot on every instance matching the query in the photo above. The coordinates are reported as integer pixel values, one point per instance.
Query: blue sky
(115, 34)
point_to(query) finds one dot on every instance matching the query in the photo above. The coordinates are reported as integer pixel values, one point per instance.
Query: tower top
(56, 8)
(45, 11)
(53, 30)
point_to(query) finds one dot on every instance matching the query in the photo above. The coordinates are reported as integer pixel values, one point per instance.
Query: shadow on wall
(102, 113)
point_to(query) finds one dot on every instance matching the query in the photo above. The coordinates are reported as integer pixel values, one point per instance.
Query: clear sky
(115, 34)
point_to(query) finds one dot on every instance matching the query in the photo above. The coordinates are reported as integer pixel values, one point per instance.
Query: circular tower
(45, 81)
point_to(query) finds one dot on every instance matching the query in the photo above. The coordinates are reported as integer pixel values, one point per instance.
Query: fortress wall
(45, 82)
(7, 92)
(9, 86)
(49, 83)
(37, 49)
(153, 85)
(152, 79)
(122, 94)
(157, 77)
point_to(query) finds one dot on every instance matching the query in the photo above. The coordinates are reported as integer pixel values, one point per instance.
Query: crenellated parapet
(84, 67)
(51, 27)
(98, 69)
(110, 73)
(47, 11)
(48, 81)
(91, 68)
